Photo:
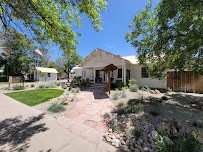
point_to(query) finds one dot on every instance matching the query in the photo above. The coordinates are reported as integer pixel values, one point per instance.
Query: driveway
(23, 128)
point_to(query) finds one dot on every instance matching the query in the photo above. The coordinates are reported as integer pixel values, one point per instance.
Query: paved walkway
(86, 120)
(23, 128)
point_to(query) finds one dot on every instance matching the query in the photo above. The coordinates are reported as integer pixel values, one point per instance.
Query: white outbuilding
(45, 74)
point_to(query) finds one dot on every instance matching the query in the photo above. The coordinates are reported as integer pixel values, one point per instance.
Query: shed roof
(46, 70)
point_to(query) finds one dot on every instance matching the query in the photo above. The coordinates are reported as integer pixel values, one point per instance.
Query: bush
(146, 88)
(119, 128)
(137, 133)
(119, 85)
(133, 88)
(164, 98)
(155, 111)
(57, 83)
(77, 90)
(41, 86)
(50, 85)
(3, 79)
(64, 86)
(56, 107)
(123, 95)
(115, 96)
(32, 85)
(18, 87)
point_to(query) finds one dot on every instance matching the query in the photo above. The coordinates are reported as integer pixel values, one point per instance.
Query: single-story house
(45, 74)
(127, 67)
(1, 72)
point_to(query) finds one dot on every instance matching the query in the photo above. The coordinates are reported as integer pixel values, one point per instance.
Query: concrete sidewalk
(23, 128)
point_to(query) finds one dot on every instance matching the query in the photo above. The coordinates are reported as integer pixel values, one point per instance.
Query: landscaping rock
(146, 149)
(108, 139)
(117, 143)
(152, 92)
(124, 148)
(132, 148)
(139, 147)
(157, 91)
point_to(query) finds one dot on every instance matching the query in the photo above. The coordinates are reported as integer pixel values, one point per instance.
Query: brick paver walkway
(87, 119)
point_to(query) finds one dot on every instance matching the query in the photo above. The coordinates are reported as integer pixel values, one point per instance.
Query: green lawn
(34, 97)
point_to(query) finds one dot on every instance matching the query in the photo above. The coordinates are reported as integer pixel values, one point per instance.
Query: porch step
(97, 86)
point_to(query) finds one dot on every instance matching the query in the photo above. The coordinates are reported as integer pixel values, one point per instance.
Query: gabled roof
(133, 59)
(46, 70)
(100, 50)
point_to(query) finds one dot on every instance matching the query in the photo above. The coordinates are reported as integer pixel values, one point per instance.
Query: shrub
(32, 85)
(50, 85)
(146, 88)
(133, 88)
(164, 98)
(57, 83)
(123, 95)
(119, 128)
(132, 81)
(56, 107)
(77, 90)
(169, 89)
(137, 133)
(119, 85)
(18, 87)
(155, 111)
(41, 86)
(3, 79)
(64, 86)
(115, 96)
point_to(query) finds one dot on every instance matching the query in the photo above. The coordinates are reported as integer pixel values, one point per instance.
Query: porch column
(124, 74)
(94, 74)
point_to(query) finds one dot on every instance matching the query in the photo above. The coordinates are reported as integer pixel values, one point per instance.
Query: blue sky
(116, 19)
(115, 25)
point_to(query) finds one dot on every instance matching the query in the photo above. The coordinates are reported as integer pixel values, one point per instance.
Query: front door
(127, 76)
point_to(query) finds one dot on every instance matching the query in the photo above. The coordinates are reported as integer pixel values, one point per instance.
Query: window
(119, 73)
(144, 72)
(48, 74)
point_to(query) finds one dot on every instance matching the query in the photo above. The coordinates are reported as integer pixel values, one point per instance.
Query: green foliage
(119, 85)
(133, 86)
(115, 96)
(84, 83)
(169, 89)
(123, 95)
(32, 85)
(155, 111)
(51, 21)
(64, 86)
(56, 107)
(169, 36)
(146, 88)
(119, 128)
(18, 87)
(46, 85)
(164, 98)
(18, 59)
(75, 90)
(3, 79)
(137, 133)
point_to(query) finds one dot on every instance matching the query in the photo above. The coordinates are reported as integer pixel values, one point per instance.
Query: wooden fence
(186, 81)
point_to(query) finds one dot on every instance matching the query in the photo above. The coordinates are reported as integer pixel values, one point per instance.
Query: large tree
(17, 59)
(54, 20)
(66, 63)
(169, 36)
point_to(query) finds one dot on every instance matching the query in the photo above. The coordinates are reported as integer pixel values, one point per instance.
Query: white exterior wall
(53, 77)
(101, 60)
(152, 83)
